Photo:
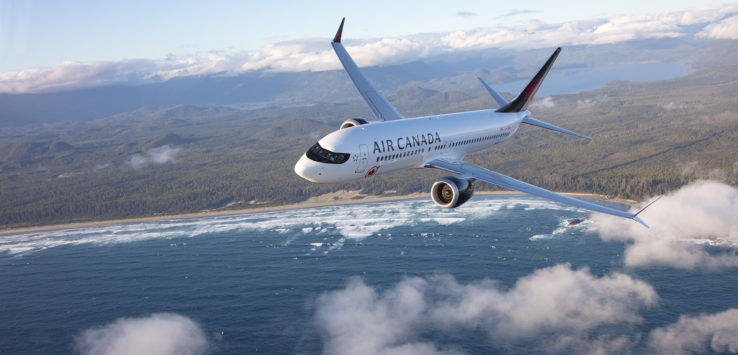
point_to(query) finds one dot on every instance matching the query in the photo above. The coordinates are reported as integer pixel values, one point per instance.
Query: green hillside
(648, 138)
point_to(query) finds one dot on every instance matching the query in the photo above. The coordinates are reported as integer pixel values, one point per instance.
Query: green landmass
(649, 138)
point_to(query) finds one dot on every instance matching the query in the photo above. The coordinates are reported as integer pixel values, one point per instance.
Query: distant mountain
(167, 139)
(448, 72)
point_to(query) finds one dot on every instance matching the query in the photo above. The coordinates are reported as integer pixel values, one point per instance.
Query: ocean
(572, 81)
(501, 274)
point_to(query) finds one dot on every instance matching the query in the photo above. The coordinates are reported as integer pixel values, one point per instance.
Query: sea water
(252, 282)
(571, 81)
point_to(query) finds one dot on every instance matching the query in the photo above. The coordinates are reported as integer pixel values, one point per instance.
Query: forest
(649, 138)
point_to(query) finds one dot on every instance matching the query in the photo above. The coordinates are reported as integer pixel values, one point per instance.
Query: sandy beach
(343, 197)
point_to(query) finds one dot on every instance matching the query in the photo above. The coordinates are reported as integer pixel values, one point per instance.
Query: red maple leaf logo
(372, 171)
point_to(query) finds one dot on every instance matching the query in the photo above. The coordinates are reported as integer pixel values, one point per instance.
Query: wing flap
(479, 173)
(379, 105)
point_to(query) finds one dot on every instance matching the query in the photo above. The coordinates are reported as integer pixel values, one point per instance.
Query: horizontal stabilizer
(535, 122)
(495, 95)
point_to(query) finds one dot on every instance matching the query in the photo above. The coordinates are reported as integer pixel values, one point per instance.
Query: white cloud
(200, 64)
(557, 306)
(158, 155)
(466, 14)
(586, 103)
(517, 12)
(359, 320)
(292, 56)
(725, 29)
(158, 334)
(682, 222)
(316, 54)
(75, 74)
(700, 334)
(545, 102)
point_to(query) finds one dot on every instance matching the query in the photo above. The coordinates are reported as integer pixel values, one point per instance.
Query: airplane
(364, 148)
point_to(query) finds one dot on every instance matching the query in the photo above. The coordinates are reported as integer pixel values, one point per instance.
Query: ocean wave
(564, 226)
(346, 221)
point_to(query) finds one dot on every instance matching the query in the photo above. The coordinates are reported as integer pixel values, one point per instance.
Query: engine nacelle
(353, 122)
(451, 191)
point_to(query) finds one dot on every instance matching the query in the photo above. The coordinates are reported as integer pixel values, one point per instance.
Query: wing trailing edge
(521, 102)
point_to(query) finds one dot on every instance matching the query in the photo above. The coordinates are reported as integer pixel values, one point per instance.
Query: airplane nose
(307, 169)
(300, 167)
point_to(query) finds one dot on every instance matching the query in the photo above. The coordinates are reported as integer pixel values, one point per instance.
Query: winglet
(526, 96)
(641, 222)
(337, 39)
(635, 216)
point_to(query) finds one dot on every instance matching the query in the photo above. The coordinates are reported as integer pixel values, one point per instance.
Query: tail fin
(521, 102)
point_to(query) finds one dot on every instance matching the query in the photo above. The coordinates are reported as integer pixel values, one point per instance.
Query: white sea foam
(563, 228)
(350, 221)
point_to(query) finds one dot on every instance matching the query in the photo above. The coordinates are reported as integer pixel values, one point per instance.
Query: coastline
(338, 198)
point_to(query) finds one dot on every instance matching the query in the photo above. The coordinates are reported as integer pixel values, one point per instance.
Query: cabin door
(363, 158)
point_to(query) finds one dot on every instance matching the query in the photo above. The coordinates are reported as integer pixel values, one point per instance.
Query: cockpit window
(321, 155)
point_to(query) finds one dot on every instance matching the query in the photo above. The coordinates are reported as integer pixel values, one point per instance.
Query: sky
(39, 37)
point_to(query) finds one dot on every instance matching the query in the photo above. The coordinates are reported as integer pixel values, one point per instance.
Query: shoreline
(338, 198)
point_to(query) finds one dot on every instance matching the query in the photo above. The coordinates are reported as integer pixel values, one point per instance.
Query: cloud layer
(158, 334)
(725, 29)
(682, 223)
(718, 22)
(715, 332)
(554, 310)
(554, 307)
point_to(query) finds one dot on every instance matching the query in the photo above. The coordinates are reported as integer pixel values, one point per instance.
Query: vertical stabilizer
(526, 96)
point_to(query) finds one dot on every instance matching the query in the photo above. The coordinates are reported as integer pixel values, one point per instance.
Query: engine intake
(353, 122)
(451, 192)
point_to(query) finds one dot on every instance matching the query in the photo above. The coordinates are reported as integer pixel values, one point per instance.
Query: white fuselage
(388, 146)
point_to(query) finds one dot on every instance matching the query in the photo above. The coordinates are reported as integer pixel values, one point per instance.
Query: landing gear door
(362, 158)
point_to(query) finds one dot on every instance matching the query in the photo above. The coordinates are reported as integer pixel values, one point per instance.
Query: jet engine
(353, 122)
(451, 191)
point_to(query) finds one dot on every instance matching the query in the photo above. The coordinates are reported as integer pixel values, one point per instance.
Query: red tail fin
(526, 96)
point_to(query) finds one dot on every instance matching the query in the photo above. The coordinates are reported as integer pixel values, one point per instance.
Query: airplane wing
(469, 170)
(380, 106)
